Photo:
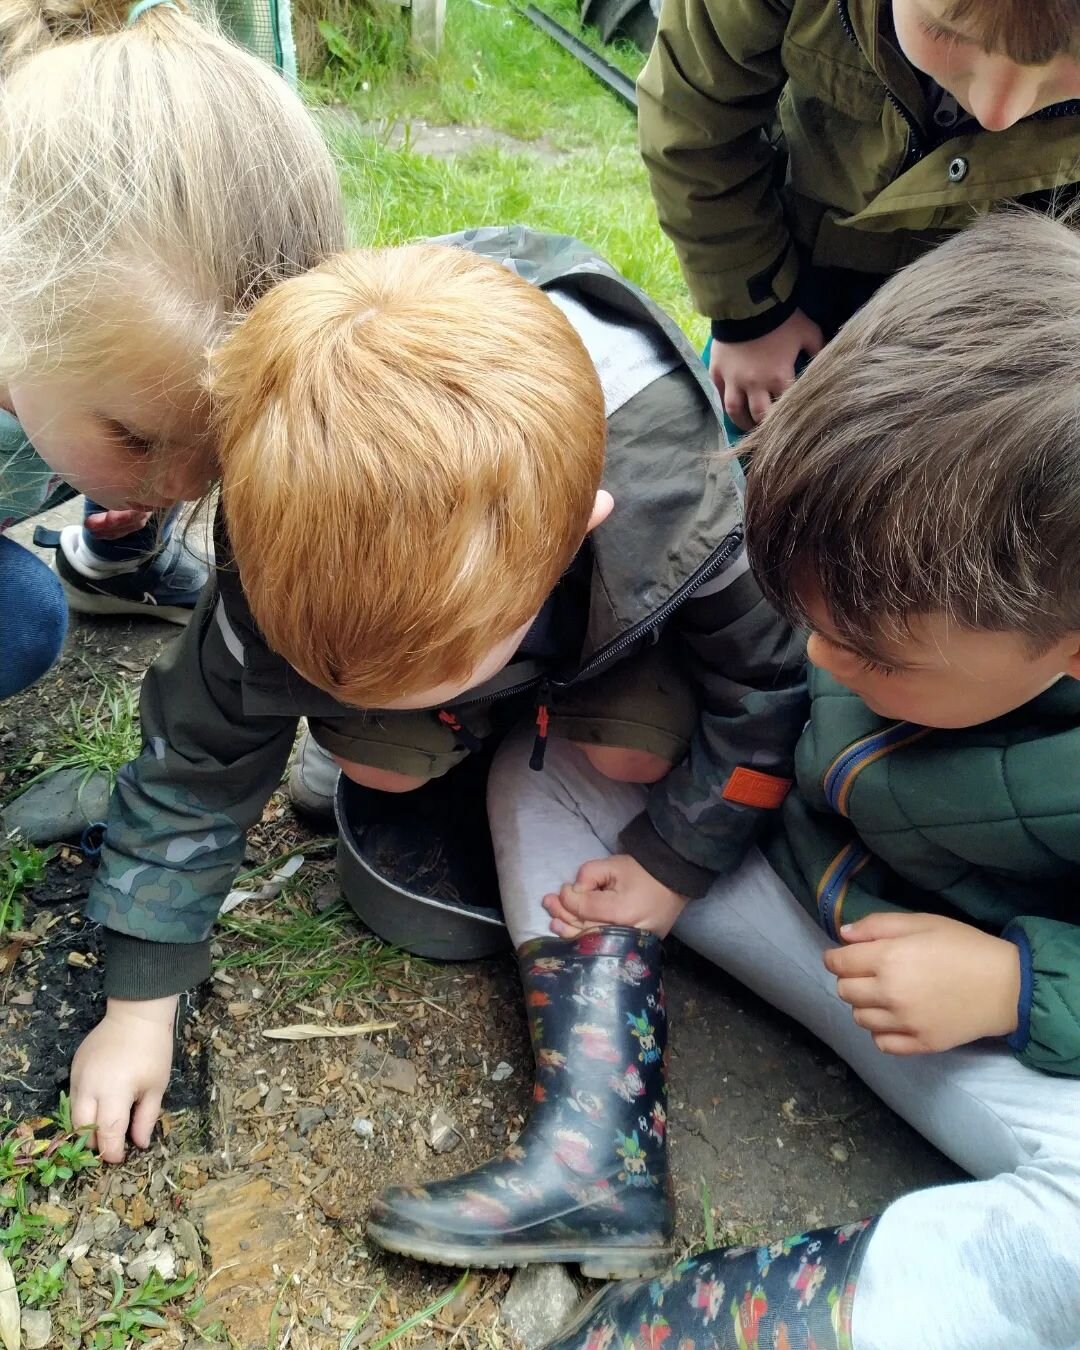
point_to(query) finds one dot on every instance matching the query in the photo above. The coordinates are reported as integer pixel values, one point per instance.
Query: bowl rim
(346, 838)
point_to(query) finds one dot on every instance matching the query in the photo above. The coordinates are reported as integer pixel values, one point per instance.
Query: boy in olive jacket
(801, 151)
(914, 502)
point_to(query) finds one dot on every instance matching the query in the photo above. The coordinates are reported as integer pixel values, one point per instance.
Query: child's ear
(1072, 666)
(602, 508)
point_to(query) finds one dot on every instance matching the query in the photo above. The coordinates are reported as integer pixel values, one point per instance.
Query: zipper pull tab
(543, 719)
(464, 737)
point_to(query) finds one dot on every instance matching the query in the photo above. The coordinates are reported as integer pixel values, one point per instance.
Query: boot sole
(83, 603)
(596, 1263)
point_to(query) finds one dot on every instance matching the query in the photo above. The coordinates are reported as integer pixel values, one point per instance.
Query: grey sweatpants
(991, 1264)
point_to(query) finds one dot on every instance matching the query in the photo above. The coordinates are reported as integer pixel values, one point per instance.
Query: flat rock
(538, 1302)
(58, 807)
(252, 1236)
(399, 1075)
(36, 1328)
(308, 1117)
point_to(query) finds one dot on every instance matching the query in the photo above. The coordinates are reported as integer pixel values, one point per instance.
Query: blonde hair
(150, 175)
(411, 444)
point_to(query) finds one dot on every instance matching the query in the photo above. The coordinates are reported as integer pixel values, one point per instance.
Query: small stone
(23, 1000)
(162, 1259)
(105, 1225)
(326, 895)
(471, 1056)
(399, 1075)
(501, 1072)
(56, 1215)
(443, 1135)
(838, 1153)
(249, 1100)
(401, 1047)
(187, 1238)
(82, 1269)
(36, 1328)
(293, 1142)
(363, 1127)
(307, 1118)
(273, 1100)
(538, 1302)
(79, 1243)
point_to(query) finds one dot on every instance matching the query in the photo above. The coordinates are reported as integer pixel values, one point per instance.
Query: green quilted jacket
(981, 824)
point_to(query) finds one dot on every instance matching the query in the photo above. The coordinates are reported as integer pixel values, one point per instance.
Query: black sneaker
(166, 586)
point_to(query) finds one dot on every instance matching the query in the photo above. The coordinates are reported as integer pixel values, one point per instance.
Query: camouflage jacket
(220, 708)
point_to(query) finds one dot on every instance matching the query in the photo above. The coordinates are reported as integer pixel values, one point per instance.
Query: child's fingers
(566, 930)
(736, 408)
(887, 924)
(113, 1115)
(877, 1020)
(83, 1111)
(596, 875)
(898, 1043)
(557, 909)
(859, 993)
(852, 962)
(759, 403)
(593, 907)
(144, 1118)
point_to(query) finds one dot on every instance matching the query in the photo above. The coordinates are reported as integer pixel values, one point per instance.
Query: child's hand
(613, 890)
(116, 524)
(124, 1063)
(921, 983)
(750, 375)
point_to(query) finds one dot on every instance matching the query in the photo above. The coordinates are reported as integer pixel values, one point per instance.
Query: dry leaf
(310, 1031)
(10, 1314)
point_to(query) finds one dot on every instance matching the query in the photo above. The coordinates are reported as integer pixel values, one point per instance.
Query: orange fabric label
(749, 787)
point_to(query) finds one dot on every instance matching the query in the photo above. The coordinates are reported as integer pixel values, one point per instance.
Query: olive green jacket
(981, 824)
(767, 124)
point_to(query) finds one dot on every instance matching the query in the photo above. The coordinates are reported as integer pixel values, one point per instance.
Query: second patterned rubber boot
(796, 1294)
(587, 1180)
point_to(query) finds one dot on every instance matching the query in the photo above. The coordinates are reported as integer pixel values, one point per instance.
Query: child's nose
(1003, 93)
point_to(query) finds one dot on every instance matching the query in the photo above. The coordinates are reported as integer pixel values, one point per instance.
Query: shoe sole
(82, 602)
(596, 1263)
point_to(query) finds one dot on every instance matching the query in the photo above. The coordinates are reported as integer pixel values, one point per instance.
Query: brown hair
(1029, 32)
(412, 440)
(929, 459)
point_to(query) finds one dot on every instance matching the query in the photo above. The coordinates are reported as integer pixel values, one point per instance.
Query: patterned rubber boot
(587, 1180)
(796, 1294)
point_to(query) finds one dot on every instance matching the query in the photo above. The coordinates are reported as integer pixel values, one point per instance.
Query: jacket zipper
(915, 148)
(705, 573)
(596, 663)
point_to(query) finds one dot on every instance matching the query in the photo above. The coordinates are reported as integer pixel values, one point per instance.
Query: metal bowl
(417, 867)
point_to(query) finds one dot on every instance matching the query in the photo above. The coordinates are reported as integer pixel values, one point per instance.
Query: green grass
(298, 952)
(96, 734)
(498, 71)
(31, 1161)
(20, 866)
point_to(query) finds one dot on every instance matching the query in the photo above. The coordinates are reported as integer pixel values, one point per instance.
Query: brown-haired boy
(915, 502)
(802, 151)
(456, 478)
